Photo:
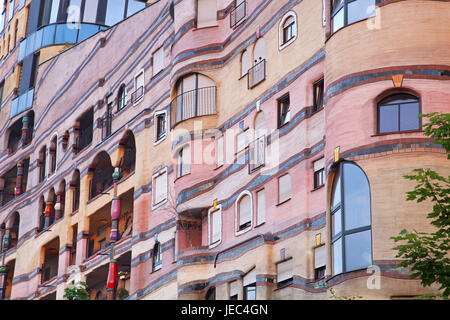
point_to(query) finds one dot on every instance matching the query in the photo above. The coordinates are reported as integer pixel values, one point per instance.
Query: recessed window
(318, 95)
(107, 122)
(122, 98)
(285, 272)
(319, 173)
(397, 113)
(156, 257)
(158, 61)
(234, 290)
(215, 225)
(206, 13)
(184, 161)
(351, 236)
(159, 188)
(319, 262)
(261, 206)
(344, 12)
(284, 111)
(244, 63)
(249, 283)
(284, 188)
(139, 82)
(243, 212)
(219, 151)
(241, 141)
(160, 125)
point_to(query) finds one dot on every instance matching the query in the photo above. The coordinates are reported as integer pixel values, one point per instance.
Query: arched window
(398, 113)
(351, 235)
(122, 98)
(42, 163)
(53, 154)
(102, 177)
(244, 211)
(128, 163)
(14, 232)
(244, 63)
(211, 294)
(288, 29)
(258, 72)
(75, 184)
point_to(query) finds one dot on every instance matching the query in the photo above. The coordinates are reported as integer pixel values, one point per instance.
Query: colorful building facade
(212, 149)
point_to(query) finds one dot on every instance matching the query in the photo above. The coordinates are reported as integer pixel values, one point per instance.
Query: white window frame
(210, 212)
(157, 141)
(161, 172)
(238, 232)
(282, 45)
(216, 145)
(142, 71)
(280, 201)
(258, 220)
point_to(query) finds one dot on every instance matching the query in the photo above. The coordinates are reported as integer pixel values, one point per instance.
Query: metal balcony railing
(136, 95)
(257, 73)
(238, 14)
(257, 153)
(194, 103)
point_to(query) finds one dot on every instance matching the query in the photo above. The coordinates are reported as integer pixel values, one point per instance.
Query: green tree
(77, 291)
(428, 253)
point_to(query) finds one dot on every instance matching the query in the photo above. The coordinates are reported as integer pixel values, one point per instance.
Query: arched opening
(53, 154)
(288, 29)
(122, 97)
(195, 97)
(350, 208)
(244, 63)
(258, 72)
(41, 214)
(51, 260)
(42, 163)
(14, 229)
(398, 112)
(211, 294)
(128, 163)
(60, 200)
(102, 174)
(244, 211)
(15, 136)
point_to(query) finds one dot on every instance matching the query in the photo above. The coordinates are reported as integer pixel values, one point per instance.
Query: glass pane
(48, 35)
(337, 257)
(30, 44)
(336, 195)
(338, 20)
(54, 11)
(134, 6)
(360, 9)
(336, 222)
(90, 11)
(358, 250)
(388, 121)
(356, 197)
(250, 293)
(65, 34)
(38, 39)
(115, 11)
(87, 30)
(409, 116)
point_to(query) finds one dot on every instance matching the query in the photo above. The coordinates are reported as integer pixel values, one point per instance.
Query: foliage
(428, 253)
(123, 294)
(77, 291)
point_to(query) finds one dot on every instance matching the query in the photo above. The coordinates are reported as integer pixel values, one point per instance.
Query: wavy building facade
(215, 149)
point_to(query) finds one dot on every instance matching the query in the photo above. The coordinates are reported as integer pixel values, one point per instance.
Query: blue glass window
(115, 12)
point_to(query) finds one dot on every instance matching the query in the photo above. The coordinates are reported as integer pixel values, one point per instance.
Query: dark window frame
(343, 5)
(288, 30)
(385, 102)
(319, 178)
(318, 94)
(249, 288)
(156, 257)
(281, 116)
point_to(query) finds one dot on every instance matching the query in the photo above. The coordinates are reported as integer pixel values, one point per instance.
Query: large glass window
(134, 6)
(90, 11)
(344, 12)
(351, 235)
(399, 112)
(115, 11)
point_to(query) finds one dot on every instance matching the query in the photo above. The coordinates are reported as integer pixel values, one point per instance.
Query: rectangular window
(90, 11)
(159, 188)
(234, 290)
(245, 212)
(285, 272)
(34, 70)
(319, 262)
(139, 82)
(184, 161)
(241, 141)
(219, 151)
(107, 122)
(318, 95)
(319, 173)
(284, 111)
(158, 61)
(214, 225)
(160, 125)
(249, 283)
(206, 13)
(261, 206)
(11, 9)
(284, 188)
(2, 87)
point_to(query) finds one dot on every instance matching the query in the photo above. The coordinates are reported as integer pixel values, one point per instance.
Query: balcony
(257, 74)
(238, 14)
(136, 95)
(192, 104)
(22, 103)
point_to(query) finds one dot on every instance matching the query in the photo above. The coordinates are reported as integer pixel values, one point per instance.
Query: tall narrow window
(249, 283)
(244, 212)
(285, 272)
(284, 111)
(244, 63)
(107, 122)
(42, 162)
(53, 154)
(351, 236)
(261, 206)
(159, 188)
(158, 61)
(215, 225)
(219, 151)
(284, 188)
(122, 98)
(318, 95)
(289, 29)
(319, 173)
(397, 113)
(184, 161)
(34, 70)
(160, 125)
(139, 82)
(156, 257)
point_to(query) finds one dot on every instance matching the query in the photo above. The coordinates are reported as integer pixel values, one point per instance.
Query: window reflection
(350, 219)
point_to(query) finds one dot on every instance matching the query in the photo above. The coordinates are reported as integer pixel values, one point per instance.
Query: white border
(157, 141)
(238, 232)
(281, 45)
(210, 211)
(155, 175)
